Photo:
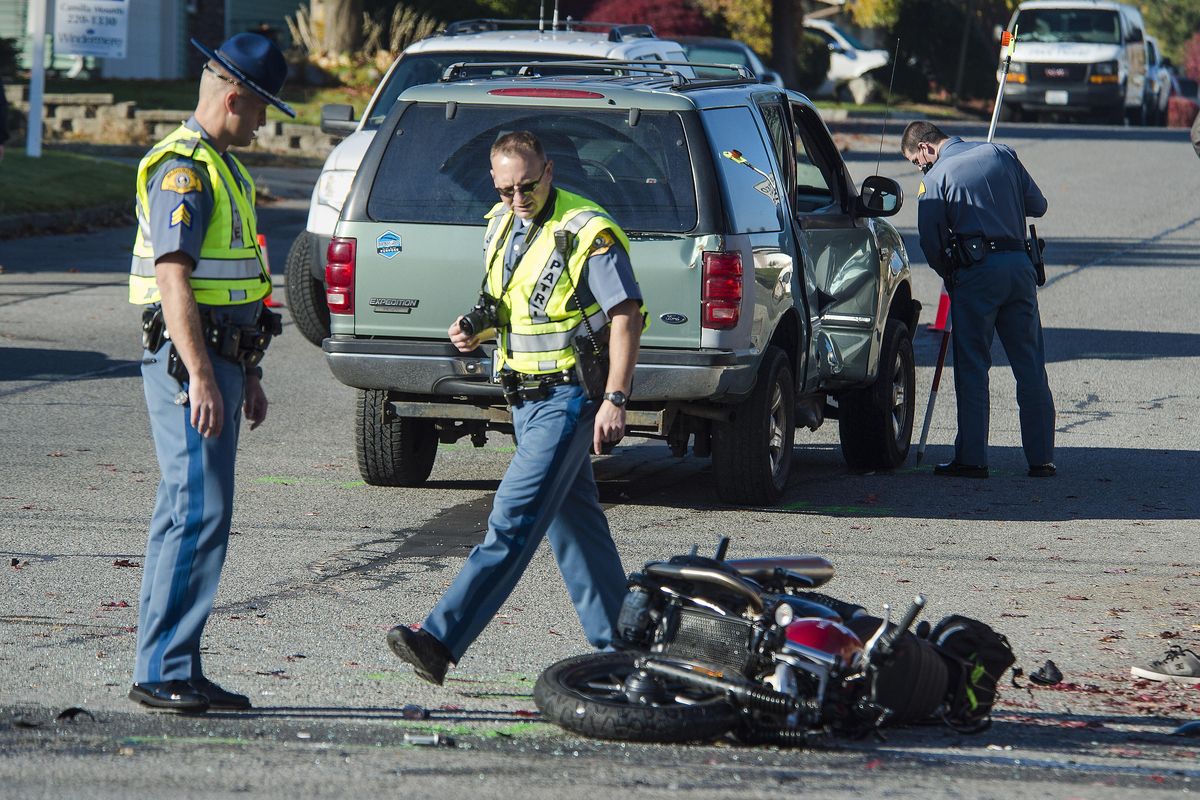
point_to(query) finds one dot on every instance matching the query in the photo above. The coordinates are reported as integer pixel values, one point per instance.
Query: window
(435, 170)
(816, 174)
(749, 190)
(1093, 26)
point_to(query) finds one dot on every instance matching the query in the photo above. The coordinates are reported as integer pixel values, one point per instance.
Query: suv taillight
(721, 292)
(339, 275)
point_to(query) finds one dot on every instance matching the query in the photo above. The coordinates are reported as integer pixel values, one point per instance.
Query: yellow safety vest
(230, 270)
(537, 311)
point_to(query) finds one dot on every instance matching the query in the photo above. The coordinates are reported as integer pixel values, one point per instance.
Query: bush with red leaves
(667, 17)
(1191, 57)
(1181, 112)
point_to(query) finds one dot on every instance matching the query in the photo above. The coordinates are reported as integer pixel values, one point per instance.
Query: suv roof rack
(617, 32)
(618, 68)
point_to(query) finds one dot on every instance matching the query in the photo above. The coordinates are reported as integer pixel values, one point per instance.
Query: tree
(343, 20)
(1172, 22)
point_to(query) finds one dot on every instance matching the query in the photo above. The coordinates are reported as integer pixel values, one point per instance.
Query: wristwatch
(617, 398)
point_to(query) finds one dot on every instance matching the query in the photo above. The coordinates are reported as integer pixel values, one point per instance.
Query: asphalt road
(1096, 569)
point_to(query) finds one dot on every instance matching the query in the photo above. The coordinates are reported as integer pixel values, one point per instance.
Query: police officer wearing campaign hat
(558, 272)
(198, 270)
(973, 202)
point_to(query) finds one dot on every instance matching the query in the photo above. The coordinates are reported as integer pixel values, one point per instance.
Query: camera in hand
(481, 317)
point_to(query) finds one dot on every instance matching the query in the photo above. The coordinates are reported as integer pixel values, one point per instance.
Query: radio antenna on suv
(888, 106)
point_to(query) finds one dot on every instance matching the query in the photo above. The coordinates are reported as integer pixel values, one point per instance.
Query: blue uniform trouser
(1000, 295)
(189, 529)
(549, 491)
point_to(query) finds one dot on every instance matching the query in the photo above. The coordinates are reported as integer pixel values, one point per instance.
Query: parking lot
(1095, 569)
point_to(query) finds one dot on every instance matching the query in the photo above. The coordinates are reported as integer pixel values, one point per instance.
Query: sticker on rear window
(388, 244)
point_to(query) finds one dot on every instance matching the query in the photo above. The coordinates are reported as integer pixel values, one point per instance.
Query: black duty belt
(521, 386)
(1005, 245)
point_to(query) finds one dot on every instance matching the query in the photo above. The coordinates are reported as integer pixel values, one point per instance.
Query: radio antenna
(542, 17)
(888, 107)
(554, 25)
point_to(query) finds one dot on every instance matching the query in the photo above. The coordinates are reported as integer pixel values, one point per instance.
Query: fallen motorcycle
(710, 646)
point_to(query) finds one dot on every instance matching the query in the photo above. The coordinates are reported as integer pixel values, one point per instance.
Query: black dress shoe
(172, 695)
(218, 698)
(1042, 471)
(953, 469)
(429, 657)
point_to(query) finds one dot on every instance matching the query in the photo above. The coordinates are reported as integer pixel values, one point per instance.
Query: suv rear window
(435, 170)
(421, 68)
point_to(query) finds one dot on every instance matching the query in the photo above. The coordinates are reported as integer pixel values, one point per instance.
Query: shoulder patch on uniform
(601, 243)
(182, 215)
(921, 189)
(181, 180)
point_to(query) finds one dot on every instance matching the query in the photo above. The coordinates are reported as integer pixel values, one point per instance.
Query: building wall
(155, 42)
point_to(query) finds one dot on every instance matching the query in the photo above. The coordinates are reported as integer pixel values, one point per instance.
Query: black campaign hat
(255, 62)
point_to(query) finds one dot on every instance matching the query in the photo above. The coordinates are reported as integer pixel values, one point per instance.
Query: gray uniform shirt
(181, 203)
(975, 188)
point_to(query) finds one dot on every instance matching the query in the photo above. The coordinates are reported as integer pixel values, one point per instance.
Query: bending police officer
(973, 202)
(198, 270)
(557, 267)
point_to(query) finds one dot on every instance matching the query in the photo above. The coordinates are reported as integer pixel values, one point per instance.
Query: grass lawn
(61, 181)
(181, 94)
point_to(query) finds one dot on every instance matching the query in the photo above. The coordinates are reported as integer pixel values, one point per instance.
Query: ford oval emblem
(673, 319)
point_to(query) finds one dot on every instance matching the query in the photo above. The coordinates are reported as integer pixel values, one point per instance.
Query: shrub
(678, 18)
(1181, 112)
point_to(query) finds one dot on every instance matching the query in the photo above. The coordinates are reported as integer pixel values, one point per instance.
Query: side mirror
(879, 197)
(772, 77)
(337, 119)
(997, 32)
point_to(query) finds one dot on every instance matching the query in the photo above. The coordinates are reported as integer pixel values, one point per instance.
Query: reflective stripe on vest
(229, 270)
(538, 314)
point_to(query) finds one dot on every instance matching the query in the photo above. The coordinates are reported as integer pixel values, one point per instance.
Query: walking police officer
(198, 270)
(558, 284)
(974, 199)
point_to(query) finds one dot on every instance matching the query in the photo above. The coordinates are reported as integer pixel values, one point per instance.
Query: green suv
(777, 295)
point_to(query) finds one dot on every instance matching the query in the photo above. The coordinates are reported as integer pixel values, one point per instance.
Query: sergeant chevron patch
(182, 215)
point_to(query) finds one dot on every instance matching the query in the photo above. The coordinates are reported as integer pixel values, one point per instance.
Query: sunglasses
(526, 189)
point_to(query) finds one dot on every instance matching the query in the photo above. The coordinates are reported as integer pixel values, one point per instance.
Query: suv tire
(395, 453)
(876, 423)
(306, 294)
(752, 451)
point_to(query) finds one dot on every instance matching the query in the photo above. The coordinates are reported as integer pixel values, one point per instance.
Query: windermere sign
(96, 28)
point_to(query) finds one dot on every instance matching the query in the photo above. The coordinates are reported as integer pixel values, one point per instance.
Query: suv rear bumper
(422, 367)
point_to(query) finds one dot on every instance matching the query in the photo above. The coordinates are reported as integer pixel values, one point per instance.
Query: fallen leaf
(117, 604)
(874, 763)
(1169, 635)
(991, 558)
(125, 562)
(56, 454)
(1074, 597)
(521, 712)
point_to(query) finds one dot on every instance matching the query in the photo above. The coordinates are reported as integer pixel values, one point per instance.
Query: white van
(469, 41)
(1077, 58)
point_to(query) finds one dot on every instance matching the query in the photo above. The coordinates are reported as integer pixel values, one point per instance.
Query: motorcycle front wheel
(591, 695)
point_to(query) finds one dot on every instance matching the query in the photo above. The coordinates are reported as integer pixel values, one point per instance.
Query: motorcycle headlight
(333, 187)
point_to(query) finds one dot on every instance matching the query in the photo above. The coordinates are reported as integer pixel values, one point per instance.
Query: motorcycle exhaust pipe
(757, 698)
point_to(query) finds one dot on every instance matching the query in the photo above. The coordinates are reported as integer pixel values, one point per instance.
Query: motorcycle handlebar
(887, 642)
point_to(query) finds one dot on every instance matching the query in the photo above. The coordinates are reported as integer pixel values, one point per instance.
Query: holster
(591, 368)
